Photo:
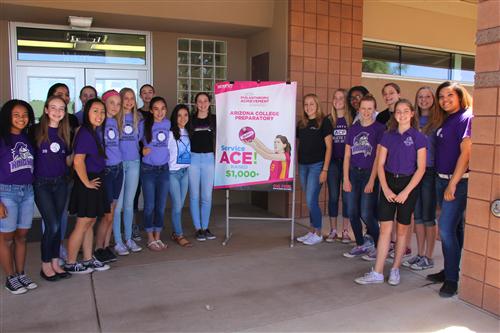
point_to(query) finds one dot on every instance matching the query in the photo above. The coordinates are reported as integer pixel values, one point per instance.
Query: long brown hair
(319, 115)
(463, 96)
(393, 124)
(121, 115)
(333, 113)
(63, 129)
(284, 140)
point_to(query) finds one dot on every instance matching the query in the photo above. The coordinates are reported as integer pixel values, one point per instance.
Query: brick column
(325, 51)
(480, 275)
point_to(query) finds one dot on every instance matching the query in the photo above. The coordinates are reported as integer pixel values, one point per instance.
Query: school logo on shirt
(361, 144)
(408, 141)
(111, 134)
(161, 136)
(340, 132)
(128, 129)
(21, 158)
(55, 147)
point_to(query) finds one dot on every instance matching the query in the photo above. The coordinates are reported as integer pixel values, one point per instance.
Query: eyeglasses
(356, 97)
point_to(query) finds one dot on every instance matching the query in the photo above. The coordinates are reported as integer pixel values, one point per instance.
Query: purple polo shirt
(402, 150)
(85, 144)
(363, 142)
(448, 138)
(159, 144)
(16, 161)
(339, 136)
(431, 142)
(112, 142)
(130, 137)
(51, 156)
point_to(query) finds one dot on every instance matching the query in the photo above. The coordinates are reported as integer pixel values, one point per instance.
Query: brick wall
(480, 280)
(325, 51)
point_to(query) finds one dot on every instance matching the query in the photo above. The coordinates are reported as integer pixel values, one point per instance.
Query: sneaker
(101, 255)
(331, 236)
(303, 238)
(370, 278)
(422, 264)
(13, 285)
(356, 251)
(405, 255)
(346, 239)
(371, 255)
(412, 260)
(436, 277)
(111, 255)
(313, 240)
(26, 281)
(132, 246)
(394, 277)
(96, 265)
(368, 240)
(200, 235)
(63, 254)
(77, 268)
(448, 289)
(136, 233)
(121, 249)
(209, 235)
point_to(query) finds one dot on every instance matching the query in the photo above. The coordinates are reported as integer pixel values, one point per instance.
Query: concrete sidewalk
(255, 283)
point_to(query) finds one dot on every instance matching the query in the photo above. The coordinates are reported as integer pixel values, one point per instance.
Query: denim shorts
(113, 181)
(20, 203)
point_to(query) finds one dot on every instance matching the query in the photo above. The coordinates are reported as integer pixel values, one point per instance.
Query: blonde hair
(347, 114)
(319, 115)
(432, 110)
(121, 115)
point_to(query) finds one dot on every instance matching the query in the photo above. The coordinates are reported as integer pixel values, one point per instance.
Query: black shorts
(403, 212)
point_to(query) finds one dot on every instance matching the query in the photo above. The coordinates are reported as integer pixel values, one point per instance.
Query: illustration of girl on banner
(280, 156)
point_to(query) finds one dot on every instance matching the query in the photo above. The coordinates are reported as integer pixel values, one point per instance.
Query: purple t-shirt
(112, 142)
(159, 144)
(339, 136)
(86, 144)
(431, 142)
(16, 161)
(402, 150)
(363, 142)
(448, 138)
(50, 158)
(129, 140)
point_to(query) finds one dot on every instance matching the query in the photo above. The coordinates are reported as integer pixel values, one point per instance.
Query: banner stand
(292, 219)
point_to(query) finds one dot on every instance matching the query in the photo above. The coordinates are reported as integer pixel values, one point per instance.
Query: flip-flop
(162, 245)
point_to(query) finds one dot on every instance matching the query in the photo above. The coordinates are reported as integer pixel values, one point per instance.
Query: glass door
(106, 79)
(33, 83)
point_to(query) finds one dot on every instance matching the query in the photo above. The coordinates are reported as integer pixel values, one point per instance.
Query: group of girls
(96, 158)
(389, 166)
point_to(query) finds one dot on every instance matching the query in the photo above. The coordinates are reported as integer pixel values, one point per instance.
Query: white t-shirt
(179, 151)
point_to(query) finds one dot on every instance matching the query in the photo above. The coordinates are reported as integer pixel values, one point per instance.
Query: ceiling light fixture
(116, 47)
(41, 43)
(80, 22)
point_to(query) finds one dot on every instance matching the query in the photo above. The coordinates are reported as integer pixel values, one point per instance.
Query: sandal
(181, 240)
(162, 245)
(154, 246)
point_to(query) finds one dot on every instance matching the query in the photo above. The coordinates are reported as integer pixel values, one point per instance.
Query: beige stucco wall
(448, 25)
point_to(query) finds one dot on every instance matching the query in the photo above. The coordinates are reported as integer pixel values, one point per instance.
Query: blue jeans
(20, 203)
(113, 181)
(178, 190)
(309, 180)
(362, 205)
(50, 198)
(425, 208)
(451, 226)
(155, 190)
(201, 184)
(131, 172)
(335, 175)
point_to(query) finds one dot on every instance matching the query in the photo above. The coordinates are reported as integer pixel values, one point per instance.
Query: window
(53, 45)
(200, 64)
(381, 58)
